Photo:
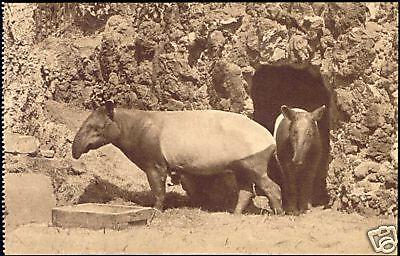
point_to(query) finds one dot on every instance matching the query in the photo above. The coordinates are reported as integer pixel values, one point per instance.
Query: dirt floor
(188, 230)
(180, 229)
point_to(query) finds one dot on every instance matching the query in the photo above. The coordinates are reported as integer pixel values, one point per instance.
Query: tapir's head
(97, 130)
(303, 131)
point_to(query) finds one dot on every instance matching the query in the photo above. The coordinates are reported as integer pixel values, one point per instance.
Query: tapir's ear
(288, 113)
(318, 113)
(110, 108)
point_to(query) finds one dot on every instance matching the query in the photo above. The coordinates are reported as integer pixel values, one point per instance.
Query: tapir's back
(204, 141)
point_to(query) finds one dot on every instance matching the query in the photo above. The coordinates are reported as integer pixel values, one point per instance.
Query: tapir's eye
(98, 128)
(95, 128)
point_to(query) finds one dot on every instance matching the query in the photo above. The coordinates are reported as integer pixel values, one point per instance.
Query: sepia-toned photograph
(200, 128)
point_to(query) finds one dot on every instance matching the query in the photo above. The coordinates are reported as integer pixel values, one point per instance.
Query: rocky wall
(182, 56)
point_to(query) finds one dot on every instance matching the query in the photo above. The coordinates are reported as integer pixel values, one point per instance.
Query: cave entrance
(273, 86)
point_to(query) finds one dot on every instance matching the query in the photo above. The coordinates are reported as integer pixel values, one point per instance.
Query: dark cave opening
(273, 86)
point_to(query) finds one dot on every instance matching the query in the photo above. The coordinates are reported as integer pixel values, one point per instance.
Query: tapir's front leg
(290, 192)
(305, 191)
(157, 175)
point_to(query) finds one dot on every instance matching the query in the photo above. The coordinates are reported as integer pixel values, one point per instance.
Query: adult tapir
(202, 142)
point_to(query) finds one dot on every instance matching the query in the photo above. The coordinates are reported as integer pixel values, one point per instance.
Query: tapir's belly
(207, 142)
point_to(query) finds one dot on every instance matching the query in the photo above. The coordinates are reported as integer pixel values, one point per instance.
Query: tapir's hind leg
(255, 168)
(272, 191)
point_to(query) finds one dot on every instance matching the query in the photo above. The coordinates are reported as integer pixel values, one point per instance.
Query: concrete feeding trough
(98, 216)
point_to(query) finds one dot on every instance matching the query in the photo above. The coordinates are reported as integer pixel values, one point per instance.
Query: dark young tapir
(298, 151)
(202, 142)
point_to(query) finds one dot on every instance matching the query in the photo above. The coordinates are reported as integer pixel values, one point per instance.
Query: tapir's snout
(297, 160)
(84, 143)
(78, 147)
(75, 152)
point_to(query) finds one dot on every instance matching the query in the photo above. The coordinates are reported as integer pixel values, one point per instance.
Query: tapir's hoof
(157, 211)
(293, 212)
(237, 212)
(278, 211)
(158, 208)
(304, 211)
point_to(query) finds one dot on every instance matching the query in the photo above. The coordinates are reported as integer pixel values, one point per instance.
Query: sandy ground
(186, 230)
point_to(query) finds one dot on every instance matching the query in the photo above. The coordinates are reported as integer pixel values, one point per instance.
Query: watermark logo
(383, 239)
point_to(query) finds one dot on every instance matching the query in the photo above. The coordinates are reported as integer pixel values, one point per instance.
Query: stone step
(98, 216)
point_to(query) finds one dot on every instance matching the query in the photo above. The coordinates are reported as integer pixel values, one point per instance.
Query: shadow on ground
(102, 191)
